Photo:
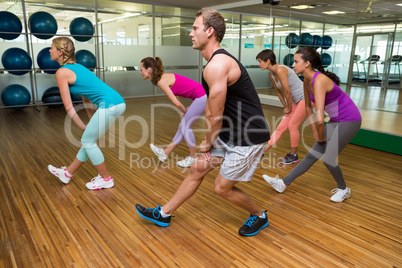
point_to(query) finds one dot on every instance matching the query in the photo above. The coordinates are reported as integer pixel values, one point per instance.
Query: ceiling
(356, 11)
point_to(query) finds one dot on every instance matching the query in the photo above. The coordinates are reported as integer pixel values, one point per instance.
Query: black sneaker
(154, 215)
(290, 159)
(253, 225)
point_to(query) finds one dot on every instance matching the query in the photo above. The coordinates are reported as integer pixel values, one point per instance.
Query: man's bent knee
(200, 166)
(223, 187)
(220, 191)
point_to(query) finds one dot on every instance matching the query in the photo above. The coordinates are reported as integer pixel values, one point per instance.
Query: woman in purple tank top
(176, 85)
(323, 89)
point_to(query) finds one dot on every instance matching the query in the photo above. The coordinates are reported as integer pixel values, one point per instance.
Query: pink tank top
(187, 88)
(338, 105)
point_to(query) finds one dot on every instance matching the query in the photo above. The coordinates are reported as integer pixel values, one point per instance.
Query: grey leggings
(338, 135)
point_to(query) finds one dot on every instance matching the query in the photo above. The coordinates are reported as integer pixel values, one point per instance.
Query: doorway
(372, 59)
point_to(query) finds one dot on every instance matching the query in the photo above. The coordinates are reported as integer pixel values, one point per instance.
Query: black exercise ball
(81, 29)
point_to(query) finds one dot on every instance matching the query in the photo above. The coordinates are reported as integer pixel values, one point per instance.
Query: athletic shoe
(187, 162)
(276, 183)
(159, 152)
(340, 195)
(153, 214)
(60, 173)
(98, 183)
(253, 225)
(290, 159)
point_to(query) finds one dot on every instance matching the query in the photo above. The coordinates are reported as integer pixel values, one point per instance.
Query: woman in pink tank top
(175, 85)
(323, 89)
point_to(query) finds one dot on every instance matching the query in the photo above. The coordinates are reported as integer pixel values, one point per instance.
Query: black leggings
(338, 135)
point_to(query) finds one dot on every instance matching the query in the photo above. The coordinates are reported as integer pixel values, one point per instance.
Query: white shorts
(240, 161)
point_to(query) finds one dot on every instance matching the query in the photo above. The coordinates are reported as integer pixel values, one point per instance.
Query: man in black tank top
(243, 121)
(237, 131)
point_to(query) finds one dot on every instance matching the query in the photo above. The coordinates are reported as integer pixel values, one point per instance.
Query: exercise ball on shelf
(326, 60)
(306, 40)
(86, 58)
(16, 59)
(42, 25)
(10, 25)
(292, 40)
(317, 41)
(326, 42)
(288, 60)
(81, 29)
(75, 97)
(45, 62)
(52, 95)
(15, 95)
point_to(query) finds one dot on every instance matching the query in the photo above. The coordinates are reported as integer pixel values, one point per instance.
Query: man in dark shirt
(237, 131)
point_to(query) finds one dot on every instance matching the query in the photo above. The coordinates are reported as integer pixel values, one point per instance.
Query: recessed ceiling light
(399, 4)
(301, 7)
(333, 12)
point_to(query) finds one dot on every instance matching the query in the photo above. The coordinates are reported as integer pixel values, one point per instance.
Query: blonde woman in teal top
(73, 78)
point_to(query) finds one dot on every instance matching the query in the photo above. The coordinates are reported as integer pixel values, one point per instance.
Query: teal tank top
(91, 87)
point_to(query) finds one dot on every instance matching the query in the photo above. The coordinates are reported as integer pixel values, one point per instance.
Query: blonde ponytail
(65, 45)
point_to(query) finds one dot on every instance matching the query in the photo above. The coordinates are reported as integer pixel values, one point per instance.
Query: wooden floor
(382, 121)
(44, 223)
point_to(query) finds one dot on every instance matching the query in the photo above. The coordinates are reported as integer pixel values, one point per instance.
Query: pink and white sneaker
(98, 183)
(61, 173)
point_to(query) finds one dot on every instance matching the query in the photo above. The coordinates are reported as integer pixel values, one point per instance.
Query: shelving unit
(36, 80)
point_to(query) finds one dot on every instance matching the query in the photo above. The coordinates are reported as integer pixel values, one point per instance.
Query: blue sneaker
(153, 214)
(253, 225)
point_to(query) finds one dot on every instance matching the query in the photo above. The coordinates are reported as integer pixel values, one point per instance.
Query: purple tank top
(187, 88)
(338, 105)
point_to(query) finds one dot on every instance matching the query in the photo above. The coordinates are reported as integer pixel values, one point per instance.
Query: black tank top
(243, 123)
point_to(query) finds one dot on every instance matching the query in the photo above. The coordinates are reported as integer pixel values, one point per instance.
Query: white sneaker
(187, 162)
(159, 152)
(60, 173)
(98, 183)
(340, 195)
(276, 183)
